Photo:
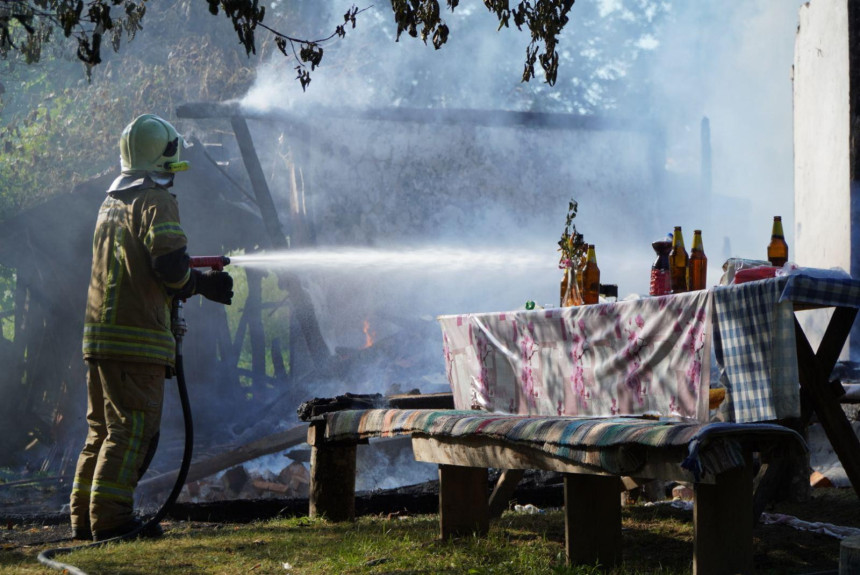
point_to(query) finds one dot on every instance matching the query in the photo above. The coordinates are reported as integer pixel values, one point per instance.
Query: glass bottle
(563, 287)
(661, 277)
(678, 262)
(572, 296)
(698, 263)
(580, 267)
(591, 278)
(777, 249)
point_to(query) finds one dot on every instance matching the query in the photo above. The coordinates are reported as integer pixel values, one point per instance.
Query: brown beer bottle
(777, 249)
(698, 263)
(678, 262)
(591, 278)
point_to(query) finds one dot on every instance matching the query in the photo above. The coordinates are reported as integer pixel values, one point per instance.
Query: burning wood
(411, 400)
(201, 469)
(239, 483)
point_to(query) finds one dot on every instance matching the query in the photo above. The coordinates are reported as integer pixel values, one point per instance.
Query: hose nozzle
(217, 263)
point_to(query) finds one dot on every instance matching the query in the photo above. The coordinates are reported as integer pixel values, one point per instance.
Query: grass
(407, 545)
(657, 540)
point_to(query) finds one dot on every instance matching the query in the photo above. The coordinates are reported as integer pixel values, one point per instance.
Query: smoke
(668, 65)
(732, 62)
(643, 73)
(397, 185)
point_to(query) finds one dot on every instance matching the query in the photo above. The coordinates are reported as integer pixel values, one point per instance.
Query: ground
(778, 548)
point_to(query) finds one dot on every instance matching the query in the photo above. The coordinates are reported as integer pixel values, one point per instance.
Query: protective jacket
(139, 262)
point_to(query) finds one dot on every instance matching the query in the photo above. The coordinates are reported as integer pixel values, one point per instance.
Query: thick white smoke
(667, 63)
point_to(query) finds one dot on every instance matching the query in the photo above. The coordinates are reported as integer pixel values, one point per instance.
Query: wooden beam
(814, 371)
(504, 490)
(302, 305)
(258, 182)
(662, 463)
(592, 519)
(465, 117)
(834, 337)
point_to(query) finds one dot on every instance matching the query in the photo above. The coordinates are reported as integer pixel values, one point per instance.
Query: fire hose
(179, 328)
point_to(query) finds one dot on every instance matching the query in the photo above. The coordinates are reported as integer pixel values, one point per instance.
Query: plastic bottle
(661, 279)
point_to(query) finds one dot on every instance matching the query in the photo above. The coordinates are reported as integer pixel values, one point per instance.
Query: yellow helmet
(151, 144)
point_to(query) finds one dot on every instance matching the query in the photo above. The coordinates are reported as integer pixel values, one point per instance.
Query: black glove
(217, 286)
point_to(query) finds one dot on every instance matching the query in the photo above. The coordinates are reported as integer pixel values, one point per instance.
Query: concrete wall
(824, 132)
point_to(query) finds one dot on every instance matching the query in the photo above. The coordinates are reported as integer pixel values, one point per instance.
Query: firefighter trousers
(124, 402)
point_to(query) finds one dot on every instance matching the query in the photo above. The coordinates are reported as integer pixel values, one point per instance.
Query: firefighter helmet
(151, 144)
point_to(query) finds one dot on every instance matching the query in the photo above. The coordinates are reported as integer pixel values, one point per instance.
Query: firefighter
(139, 264)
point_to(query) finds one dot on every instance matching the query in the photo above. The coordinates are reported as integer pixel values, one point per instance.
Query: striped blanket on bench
(617, 445)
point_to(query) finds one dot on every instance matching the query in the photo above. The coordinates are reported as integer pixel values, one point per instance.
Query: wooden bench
(593, 455)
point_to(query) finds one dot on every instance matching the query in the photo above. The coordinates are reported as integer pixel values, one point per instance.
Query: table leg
(814, 370)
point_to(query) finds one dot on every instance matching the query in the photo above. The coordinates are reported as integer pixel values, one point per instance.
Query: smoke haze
(729, 62)
(462, 212)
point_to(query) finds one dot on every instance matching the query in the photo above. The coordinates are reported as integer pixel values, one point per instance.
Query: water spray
(434, 259)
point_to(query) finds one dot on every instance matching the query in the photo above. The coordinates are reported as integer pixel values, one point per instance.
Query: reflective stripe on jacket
(128, 305)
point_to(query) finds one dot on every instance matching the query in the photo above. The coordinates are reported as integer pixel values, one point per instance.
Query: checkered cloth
(754, 339)
(617, 445)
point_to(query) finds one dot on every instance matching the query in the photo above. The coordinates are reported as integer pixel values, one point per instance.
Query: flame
(368, 335)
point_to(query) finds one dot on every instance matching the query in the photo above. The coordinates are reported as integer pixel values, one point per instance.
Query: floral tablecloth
(645, 356)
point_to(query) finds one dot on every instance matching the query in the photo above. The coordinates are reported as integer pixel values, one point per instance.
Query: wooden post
(332, 488)
(592, 519)
(254, 309)
(723, 524)
(463, 507)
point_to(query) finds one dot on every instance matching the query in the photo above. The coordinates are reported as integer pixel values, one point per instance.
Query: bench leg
(332, 487)
(723, 524)
(592, 519)
(463, 504)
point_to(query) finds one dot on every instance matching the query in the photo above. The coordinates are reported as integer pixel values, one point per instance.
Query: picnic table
(652, 356)
(621, 389)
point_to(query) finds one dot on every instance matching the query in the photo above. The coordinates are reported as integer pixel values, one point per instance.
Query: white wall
(821, 136)
(822, 140)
